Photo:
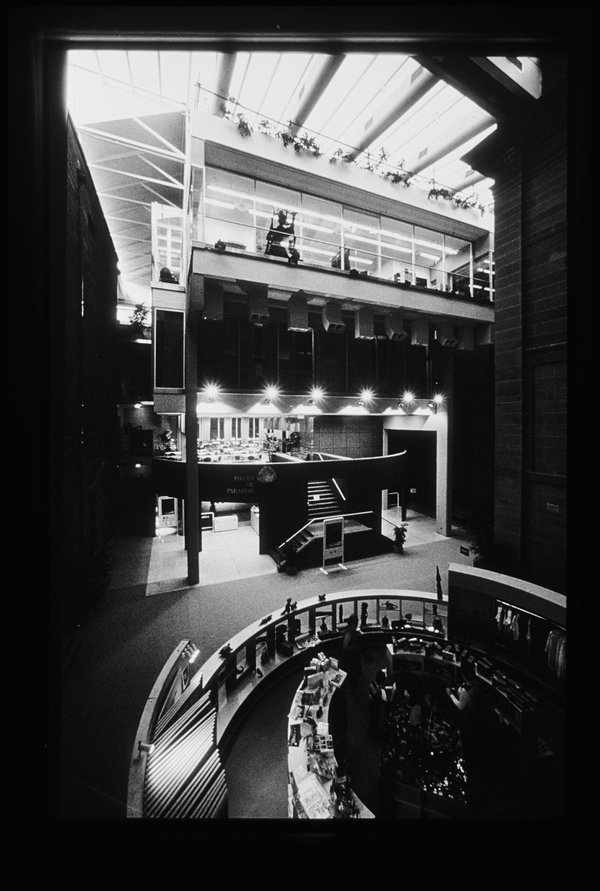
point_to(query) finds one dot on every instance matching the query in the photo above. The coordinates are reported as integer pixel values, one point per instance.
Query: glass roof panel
(144, 70)
(203, 79)
(277, 103)
(322, 118)
(373, 93)
(114, 65)
(262, 68)
(175, 71)
(242, 60)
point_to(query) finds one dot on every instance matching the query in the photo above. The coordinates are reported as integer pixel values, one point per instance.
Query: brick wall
(529, 163)
(88, 384)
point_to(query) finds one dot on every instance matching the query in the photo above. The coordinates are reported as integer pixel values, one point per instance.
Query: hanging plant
(285, 137)
(373, 164)
(266, 127)
(340, 155)
(440, 193)
(394, 176)
(244, 128)
(306, 143)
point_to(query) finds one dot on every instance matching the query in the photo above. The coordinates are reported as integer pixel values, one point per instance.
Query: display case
(316, 788)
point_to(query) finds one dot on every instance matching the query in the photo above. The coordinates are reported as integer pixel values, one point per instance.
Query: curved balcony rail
(187, 696)
(417, 627)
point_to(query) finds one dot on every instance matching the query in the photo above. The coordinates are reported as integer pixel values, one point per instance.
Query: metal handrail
(320, 520)
(333, 480)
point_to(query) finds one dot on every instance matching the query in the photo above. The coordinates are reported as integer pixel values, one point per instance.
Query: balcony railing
(353, 254)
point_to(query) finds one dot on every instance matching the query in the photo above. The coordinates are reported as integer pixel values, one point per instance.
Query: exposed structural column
(443, 464)
(226, 64)
(329, 66)
(194, 302)
(399, 103)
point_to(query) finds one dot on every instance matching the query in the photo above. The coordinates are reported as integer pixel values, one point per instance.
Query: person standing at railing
(281, 238)
(351, 658)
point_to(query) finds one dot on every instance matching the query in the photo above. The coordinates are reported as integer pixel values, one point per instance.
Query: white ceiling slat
(104, 194)
(160, 182)
(160, 170)
(162, 198)
(127, 220)
(177, 152)
(116, 139)
(143, 241)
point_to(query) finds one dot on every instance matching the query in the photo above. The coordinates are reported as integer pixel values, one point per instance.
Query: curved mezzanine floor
(125, 643)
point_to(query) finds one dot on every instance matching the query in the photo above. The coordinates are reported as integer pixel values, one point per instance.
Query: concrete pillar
(443, 472)
(192, 508)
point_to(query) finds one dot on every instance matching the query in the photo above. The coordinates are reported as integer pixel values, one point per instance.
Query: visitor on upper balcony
(167, 276)
(281, 239)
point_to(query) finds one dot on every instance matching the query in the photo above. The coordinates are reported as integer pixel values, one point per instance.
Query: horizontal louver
(184, 775)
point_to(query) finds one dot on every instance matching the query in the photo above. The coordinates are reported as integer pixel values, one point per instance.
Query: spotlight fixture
(435, 402)
(366, 396)
(316, 394)
(271, 393)
(407, 401)
(137, 405)
(211, 391)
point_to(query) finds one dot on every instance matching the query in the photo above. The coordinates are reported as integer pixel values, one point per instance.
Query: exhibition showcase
(438, 650)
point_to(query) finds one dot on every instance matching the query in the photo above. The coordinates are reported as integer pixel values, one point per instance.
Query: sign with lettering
(333, 543)
(241, 484)
(464, 551)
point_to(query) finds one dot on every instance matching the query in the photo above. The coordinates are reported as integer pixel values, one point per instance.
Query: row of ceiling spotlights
(271, 392)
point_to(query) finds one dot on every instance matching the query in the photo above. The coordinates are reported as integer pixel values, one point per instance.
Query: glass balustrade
(248, 216)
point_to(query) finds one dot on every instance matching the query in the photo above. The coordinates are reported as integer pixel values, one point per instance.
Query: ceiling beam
(400, 102)
(470, 180)
(322, 79)
(225, 66)
(482, 86)
(455, 142)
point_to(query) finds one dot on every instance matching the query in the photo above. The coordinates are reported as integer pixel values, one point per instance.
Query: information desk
(316, 790)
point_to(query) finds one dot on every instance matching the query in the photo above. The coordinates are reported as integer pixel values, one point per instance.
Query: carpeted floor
(122, 647)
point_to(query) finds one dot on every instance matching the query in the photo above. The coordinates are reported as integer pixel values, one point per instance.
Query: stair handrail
(320, 520)
(333, 480)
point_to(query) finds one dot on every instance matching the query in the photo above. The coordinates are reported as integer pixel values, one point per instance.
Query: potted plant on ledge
(400, 537)
(140, 330)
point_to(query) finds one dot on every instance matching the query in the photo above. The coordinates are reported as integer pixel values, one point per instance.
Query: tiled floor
(231, 555)
(225, 556)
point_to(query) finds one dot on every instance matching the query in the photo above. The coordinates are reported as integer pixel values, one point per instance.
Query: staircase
(323, 500)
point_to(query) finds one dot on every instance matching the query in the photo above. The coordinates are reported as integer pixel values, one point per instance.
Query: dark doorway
(420, 467)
